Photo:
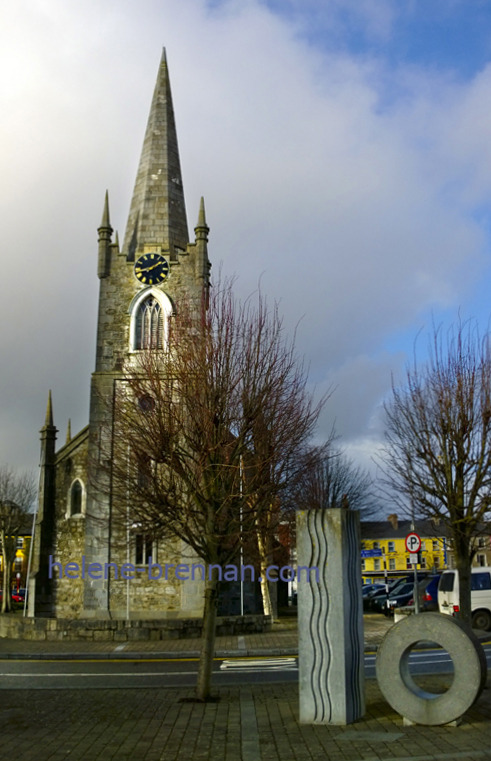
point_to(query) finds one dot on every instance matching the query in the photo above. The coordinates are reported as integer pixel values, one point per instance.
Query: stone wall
(71, 465)
(111, 630)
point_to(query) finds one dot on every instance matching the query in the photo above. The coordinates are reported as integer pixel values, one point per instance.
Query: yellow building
(20, 564)
(384, 550)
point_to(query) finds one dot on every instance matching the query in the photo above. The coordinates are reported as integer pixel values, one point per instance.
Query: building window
(76, 498)
(363, 564)
(149, 325)
(150, 312)
(409, 565)
(481, 560)
(144, 471)
(435, 545)
(423, 561)
(423, 545)
(376, 545)
(20, 542)
(376, 564)
(392, 564)
(481, 542)
(391, 547)
(436, 561)
(144, 550)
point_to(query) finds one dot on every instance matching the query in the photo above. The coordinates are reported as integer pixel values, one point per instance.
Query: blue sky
(441, 34)
(343, 149)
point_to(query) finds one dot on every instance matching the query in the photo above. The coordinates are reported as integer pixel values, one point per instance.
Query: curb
(137, 656)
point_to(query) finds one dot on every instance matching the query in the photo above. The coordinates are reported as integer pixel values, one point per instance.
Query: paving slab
(253, 723)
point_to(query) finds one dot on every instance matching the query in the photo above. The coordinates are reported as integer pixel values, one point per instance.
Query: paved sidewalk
(256, 723)
(250, 723)
(282, 640)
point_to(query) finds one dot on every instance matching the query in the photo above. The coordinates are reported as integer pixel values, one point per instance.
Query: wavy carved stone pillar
(330, 617)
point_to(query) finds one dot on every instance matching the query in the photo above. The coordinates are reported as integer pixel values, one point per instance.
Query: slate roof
(385, 530)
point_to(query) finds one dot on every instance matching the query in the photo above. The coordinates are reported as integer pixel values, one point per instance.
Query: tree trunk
(463, 566)
(263, 560)
(203, 685)
(267, 606)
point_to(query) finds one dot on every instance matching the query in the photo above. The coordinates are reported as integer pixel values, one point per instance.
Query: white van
(448, 595)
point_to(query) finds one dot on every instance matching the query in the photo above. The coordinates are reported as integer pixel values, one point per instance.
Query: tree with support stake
(206, 434)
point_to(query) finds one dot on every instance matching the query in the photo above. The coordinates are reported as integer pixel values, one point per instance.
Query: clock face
(151, 269)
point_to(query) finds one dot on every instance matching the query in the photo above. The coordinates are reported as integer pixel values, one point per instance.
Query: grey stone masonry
(158, 214)
(156, 226)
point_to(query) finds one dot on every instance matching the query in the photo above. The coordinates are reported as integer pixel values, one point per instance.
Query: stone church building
(141, 283)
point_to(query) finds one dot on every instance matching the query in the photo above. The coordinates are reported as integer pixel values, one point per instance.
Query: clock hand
(152, 267)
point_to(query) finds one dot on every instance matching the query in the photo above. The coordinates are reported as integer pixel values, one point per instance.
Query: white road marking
(263, 664)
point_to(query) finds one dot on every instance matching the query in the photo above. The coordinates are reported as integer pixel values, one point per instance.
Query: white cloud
(351, 190)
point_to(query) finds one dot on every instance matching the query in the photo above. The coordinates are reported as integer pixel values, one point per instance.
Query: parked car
(429, 600)
(376, 601)
(369, 589)
(404, 596)
(370, 600)
(400, 597)
(16, 596)
(448, 596)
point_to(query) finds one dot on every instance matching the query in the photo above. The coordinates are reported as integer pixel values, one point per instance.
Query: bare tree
(437, 455)
(17, 493)
(332, 480)
(187, 423)
(283, 421)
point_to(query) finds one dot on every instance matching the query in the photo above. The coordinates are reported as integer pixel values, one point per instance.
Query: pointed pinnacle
(49, 412)
(105, 214)
(202, 215)
(164, 56)
(201, 230)
(69, 432)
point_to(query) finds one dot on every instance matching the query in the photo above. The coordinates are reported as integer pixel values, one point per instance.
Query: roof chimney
(393, 520)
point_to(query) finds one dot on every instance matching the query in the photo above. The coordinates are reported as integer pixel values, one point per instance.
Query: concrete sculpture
(398, 686)
(330, 618)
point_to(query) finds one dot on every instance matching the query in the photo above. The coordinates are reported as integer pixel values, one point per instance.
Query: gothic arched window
(150, 312)
(76, 498)
(149, 325)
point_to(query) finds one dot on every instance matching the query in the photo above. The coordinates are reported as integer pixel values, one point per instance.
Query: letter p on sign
(413, 543)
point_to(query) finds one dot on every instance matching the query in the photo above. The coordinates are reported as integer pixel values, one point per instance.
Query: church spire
(157, 213)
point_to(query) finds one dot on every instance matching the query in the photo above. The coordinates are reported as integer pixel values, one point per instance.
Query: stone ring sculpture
(399, 688)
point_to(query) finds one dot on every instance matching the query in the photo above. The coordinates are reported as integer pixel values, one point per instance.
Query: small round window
(146, 403)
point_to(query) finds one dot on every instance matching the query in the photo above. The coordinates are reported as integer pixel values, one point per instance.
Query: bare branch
(437, 455)
(205, 436)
